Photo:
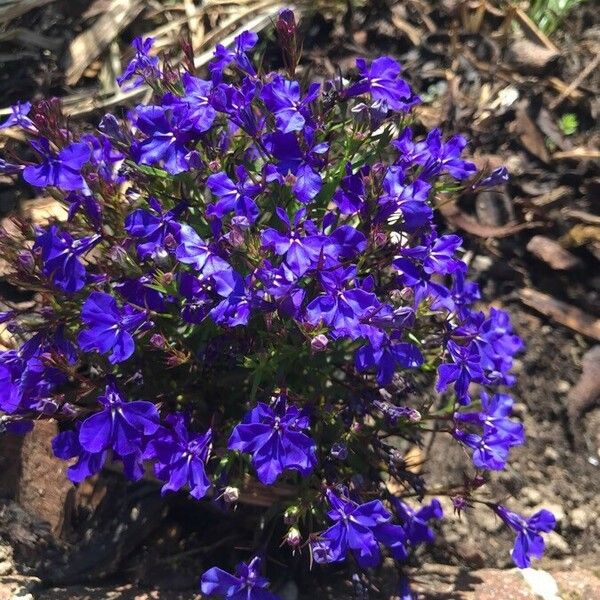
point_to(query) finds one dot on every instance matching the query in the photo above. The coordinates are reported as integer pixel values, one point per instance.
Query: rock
(541, 583)
(579, 518)
(6, 568)
(556, 545)
(578, 584)
(563, 386)
(531, 496)
(18, 587)
(551, 454)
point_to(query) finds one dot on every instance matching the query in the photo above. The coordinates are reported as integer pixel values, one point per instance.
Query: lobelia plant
(273, 246)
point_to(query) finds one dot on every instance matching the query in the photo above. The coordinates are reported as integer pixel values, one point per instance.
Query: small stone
(551, 454)
(579, 519)
(563, 386)
(519, 409)
(531, 496)
(6, 568)
(541, 583)
(556, 545)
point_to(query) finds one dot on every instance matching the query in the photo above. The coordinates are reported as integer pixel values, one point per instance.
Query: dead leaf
(529, 133)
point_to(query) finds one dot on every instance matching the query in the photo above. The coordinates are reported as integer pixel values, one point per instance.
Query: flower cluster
(273, 246)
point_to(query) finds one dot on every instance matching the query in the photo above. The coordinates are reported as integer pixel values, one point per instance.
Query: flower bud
(158, 340)
(319, 343)
(231, 494)
(339, 451)
(293, 537)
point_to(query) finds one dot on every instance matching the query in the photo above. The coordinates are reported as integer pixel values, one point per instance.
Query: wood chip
(91, 43)
(20, 8)
(578, 154)
(552, 198)
(531, 58)
(566, 314)
(461, 220)
(552, 253)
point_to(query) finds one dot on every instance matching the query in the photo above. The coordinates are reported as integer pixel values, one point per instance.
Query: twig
(575, 83)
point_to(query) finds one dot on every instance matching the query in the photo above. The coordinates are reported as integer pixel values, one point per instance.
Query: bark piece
(566, 314)
(552, 253)
(531, 58)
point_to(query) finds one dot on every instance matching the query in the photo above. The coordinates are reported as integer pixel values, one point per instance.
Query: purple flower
(193, 250)
(494, 418)
(168, 130)
(109, 328)
(354, 531)
(340, 307)
(19, 118)
(224, 57)
(62, 170)
(274, 436)
(120, 425)
(382, 79)
(66, 446)
(350, 197)
(301, 252)
(464, 368)
(406, 200)
(156, 230)
(180, 457)
(528, 543)
(387, 357)
(291, 159)
(246, 584)
(496, 177)
(444, 157)
(490, 450)
(142, 66)
(197, 97)
(233, 197)
(60, 257)
(282, 97)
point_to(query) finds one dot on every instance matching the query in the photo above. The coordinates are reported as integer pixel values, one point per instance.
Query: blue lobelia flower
(404, 199)
(60, 257)
(351, 195)
(413, 528)
(490, 450)
(292, 160)
(354, 531)
(197, 97)
(142, 66)
(528, 543)
(246, 584)
(387, 356)
(157, 231)
(19, 117)
(282, 97)
(109, 328)
(180, 457)
(66, 446)
(120, 425)
(62, 170)
(224, 57)
(193, 250)
(444, 157)
(382, 79)
(301, 251)
(340, 306)
(168, 130)
(275, 437)
(464, 368)
(233, 196)
(494, 418)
